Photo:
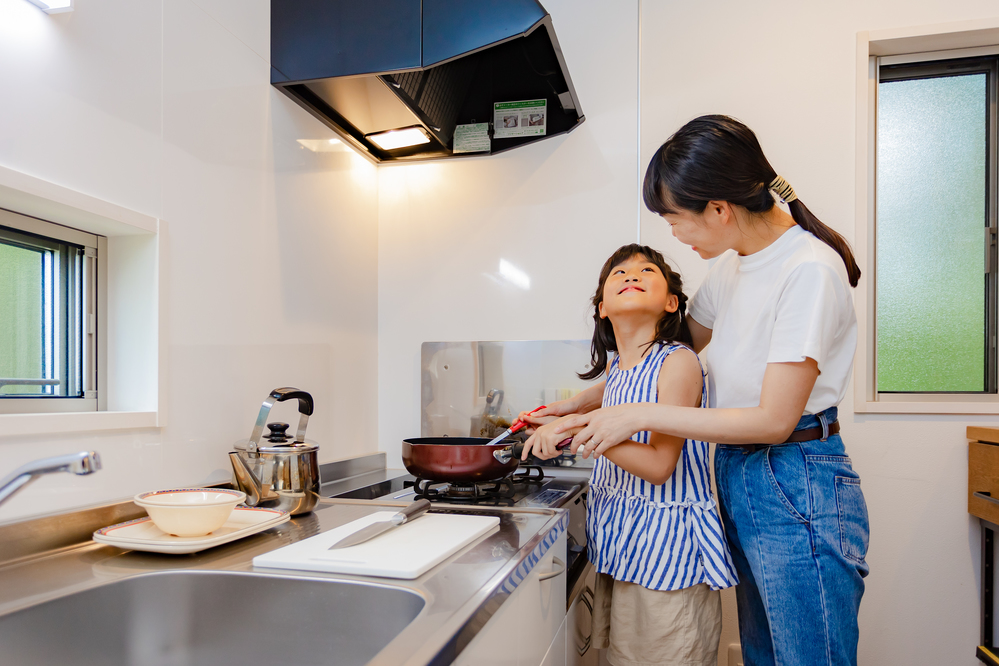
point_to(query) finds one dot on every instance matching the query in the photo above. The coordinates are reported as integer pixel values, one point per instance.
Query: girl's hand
(599, 430)
(544, 440)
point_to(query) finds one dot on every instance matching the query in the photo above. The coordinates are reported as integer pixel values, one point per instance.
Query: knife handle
(414, 510)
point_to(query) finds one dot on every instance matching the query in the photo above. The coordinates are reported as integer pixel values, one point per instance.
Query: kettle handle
(305, 409)
(305, 402)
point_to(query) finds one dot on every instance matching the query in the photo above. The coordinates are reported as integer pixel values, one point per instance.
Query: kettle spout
(246, 480)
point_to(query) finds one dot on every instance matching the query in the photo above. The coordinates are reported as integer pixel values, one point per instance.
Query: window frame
(930, 66)
(90, 325)
(928, 42)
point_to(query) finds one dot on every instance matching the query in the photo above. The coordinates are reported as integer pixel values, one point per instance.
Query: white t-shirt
(789, 301)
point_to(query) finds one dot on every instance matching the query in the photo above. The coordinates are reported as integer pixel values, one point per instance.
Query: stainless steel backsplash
(476, 389)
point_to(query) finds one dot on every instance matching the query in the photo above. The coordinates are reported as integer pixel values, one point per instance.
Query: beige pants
(644, 627)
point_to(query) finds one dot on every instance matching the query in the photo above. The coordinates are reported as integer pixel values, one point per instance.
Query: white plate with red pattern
(142, 534)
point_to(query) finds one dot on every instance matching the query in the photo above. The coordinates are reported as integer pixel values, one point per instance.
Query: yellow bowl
(188, 512)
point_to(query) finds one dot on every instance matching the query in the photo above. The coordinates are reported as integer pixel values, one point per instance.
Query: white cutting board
(407, 551)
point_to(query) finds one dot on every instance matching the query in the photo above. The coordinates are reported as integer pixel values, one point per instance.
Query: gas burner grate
(501, 491)
(532, 474)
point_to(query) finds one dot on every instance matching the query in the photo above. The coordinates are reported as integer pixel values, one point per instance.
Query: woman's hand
(581, 403)
(544, 441)
(597, 431)
(547, 415)
(560, 408)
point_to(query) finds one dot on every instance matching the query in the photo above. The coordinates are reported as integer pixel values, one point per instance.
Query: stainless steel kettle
(275, 472)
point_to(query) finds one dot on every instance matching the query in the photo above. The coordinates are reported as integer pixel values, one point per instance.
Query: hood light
(53, 6)
(400, 138)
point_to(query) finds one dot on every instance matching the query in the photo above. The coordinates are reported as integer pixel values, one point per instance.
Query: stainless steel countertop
(461, 594)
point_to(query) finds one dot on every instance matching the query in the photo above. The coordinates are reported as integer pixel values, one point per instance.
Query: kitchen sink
(189, 618)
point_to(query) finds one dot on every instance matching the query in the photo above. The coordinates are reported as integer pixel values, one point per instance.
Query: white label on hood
(472, 138)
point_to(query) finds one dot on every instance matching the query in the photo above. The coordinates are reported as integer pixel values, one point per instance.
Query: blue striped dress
(664, 537)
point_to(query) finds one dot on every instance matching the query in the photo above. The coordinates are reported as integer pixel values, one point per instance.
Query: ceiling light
(400, 138)
(53, 6)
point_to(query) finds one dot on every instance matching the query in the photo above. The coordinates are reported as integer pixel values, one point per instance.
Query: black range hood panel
(366, 66)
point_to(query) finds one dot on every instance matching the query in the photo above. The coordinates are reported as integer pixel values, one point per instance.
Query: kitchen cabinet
(523, 629)
(579, 618)
(983, 502)
(557, 650)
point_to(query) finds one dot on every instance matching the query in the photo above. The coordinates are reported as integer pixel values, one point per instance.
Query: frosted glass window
(932, 184)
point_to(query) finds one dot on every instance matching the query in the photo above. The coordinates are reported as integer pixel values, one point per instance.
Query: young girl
(777, 308)
(653, 531)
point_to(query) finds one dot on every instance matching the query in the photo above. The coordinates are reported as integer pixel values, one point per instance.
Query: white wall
(166, 107)
(557, 209)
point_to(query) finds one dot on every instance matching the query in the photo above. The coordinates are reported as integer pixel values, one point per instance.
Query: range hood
(435, 76)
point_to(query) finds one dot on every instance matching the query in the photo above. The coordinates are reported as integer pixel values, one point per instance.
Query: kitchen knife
(411, 512)
(517, 426)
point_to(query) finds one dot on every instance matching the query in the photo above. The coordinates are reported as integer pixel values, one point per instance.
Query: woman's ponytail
(807, 221)
(717, 158)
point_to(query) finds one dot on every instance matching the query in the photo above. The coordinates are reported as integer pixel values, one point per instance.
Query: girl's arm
(786, 387)
(680, 382)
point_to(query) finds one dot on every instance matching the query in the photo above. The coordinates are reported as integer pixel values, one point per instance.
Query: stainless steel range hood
(368, 67)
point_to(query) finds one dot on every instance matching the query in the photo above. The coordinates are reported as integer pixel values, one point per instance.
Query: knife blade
(368, 532)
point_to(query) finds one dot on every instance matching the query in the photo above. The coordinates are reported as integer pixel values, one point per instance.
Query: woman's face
(705, 232)
(637, 286)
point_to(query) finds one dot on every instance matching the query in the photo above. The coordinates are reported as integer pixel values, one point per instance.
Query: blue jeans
(796, 522)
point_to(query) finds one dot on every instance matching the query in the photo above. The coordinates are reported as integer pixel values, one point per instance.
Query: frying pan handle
(517, 449)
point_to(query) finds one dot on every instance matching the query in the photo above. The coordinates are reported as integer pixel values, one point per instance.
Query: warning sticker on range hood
(472, 138)
(526, 118)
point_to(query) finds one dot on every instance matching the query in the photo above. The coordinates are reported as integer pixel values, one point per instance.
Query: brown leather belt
(805, 435)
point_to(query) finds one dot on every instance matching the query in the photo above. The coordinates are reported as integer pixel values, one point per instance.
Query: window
(935, 227)
(48, 322)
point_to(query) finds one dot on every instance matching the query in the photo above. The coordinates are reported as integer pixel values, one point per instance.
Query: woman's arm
(679, 384)
(581, 403)
(786, 387)
(700, 334)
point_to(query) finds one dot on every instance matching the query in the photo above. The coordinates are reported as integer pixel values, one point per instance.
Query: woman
(778, 307)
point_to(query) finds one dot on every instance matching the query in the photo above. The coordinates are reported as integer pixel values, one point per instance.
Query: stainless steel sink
(190, 618)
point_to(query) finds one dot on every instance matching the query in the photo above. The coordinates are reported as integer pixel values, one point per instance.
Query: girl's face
(707, 232)
(637, 286)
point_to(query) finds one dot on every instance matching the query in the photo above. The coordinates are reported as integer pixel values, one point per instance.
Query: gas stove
(529, 487)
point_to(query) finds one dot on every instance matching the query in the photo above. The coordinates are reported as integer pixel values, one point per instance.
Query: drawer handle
(558, 572)
(987, 497)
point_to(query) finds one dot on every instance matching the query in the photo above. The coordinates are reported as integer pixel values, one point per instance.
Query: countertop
(461, 594)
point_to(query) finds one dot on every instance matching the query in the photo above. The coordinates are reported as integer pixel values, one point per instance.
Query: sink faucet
(84, 462)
